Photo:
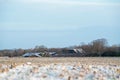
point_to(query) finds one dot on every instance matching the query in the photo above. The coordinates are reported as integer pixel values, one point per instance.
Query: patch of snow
(62, 71)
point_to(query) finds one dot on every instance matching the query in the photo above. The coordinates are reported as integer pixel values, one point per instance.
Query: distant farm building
(32, 55)
(64, 53)
(70, 53)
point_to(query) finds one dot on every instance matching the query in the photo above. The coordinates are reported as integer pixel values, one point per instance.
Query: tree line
(96, 48)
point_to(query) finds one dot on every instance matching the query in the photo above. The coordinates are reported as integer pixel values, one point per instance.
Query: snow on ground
(62, 71)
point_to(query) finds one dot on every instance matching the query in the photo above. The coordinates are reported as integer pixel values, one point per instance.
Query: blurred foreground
(60, 68)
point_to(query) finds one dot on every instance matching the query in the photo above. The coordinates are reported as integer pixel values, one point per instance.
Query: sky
(57, 23)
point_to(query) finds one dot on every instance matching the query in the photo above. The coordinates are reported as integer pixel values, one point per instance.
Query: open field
(86, 68)
(82, 60)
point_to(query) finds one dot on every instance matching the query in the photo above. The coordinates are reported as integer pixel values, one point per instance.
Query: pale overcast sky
(58, 23)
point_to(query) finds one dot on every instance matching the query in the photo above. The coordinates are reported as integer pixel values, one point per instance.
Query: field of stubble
(72, 68)
(82, 60)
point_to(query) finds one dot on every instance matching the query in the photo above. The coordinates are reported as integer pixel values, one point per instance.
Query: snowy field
(59, 68)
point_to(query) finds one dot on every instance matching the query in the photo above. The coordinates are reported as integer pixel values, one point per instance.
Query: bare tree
(98, 46)
(41, 48)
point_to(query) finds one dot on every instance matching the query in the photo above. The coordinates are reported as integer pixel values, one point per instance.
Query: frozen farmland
(57, 70)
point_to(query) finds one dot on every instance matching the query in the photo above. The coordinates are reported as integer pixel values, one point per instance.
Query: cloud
(64, 2)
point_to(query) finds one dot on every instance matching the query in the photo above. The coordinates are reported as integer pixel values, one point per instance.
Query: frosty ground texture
(61, 71)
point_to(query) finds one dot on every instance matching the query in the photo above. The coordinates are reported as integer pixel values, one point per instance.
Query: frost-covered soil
(61, 71)
(60, 68)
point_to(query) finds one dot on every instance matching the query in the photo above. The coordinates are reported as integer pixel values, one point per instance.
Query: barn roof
(31, 54)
